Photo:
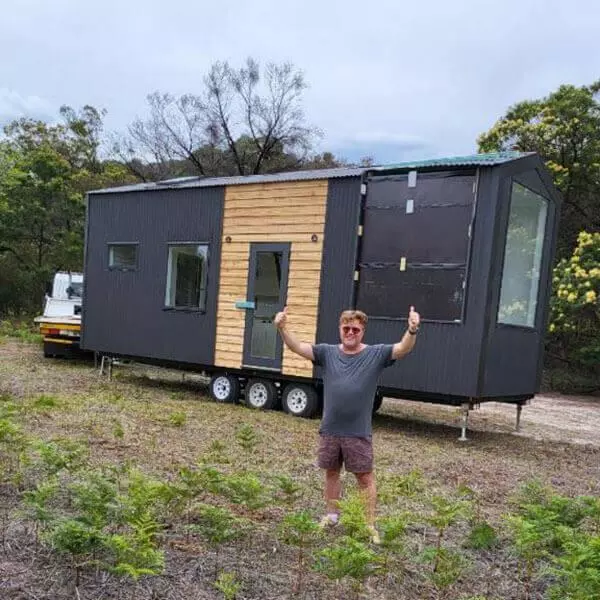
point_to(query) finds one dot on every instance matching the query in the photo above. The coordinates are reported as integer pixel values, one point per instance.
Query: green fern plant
(348, 558)
(300, 530)
(228, 585)
(216, 453)
(247, 437)
(37, 502)
(77, 540)
(289, 489)
(408, 486)
(353, 516)
(245, 488)
(44, 402)
(177, 419)
(59, 455)
(446, 564)
(218, 526)
(577, 569)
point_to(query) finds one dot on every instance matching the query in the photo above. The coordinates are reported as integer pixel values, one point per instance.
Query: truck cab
(60, 324)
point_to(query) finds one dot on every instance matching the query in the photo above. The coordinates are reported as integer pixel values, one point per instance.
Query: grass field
(141, 487)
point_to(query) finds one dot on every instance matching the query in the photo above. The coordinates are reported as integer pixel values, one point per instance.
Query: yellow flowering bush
(575, 305)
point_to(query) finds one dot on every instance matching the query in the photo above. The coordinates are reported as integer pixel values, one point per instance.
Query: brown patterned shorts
(355, 453)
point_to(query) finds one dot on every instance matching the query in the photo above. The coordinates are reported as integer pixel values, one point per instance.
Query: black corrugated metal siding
(513, 354)
(123, 312)
(339, 255)
(446, 359)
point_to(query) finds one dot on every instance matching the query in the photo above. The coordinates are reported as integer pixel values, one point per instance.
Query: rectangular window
(186, 276)
(522, 257)
(122, 257)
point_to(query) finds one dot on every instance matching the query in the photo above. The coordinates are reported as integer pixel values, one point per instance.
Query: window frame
(543, 254)
(111, 245)
(204, 295)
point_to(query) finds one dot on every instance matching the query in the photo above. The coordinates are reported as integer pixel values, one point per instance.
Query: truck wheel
(300, 400)
(261, 394)
(224, 388)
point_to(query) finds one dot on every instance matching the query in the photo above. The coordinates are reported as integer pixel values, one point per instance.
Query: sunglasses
(347, 329)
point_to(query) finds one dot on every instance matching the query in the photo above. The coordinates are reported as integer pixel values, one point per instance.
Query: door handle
(247, 304)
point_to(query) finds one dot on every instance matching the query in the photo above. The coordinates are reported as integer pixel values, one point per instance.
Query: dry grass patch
(200, 492)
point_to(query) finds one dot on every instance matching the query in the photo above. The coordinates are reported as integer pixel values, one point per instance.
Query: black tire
(261, 394)
(377, 403)
(224, 388)
(300, 400)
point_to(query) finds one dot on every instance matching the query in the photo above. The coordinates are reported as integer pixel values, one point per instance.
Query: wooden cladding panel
(282, 212)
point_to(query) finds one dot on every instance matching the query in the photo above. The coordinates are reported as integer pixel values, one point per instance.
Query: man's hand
(407, 343)
(302, 348)
(280, 319)
(414, 320)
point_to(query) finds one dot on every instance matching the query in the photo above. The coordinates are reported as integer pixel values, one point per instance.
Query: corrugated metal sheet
(339, 256)
(123, 312)
(473, 160)
(193, 182)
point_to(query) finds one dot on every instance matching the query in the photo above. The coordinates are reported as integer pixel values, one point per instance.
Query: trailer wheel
(261, 394)
(300, 400)
(377, 402)
(224, 388)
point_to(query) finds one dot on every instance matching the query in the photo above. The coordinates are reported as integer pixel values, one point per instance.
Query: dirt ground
(559, 443)
(549, 417)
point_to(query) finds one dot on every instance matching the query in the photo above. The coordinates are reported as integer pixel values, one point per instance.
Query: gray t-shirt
(350, 382)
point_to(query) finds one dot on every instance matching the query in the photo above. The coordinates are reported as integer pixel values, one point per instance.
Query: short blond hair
(354, 315)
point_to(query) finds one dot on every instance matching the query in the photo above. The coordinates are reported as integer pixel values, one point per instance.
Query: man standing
(351, 370)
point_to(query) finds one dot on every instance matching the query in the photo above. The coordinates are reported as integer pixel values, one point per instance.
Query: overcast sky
(394, 80)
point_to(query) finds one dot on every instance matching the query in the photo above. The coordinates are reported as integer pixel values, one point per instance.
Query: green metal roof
(489, 159)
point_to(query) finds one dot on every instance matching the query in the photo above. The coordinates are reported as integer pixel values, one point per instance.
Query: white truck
(60, 324)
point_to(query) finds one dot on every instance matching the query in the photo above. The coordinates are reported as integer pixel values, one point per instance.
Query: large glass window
(186, 276)
(522, 257)
(122, 257)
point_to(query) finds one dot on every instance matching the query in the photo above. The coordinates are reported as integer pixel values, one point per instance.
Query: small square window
(186, 276)
(122, 257)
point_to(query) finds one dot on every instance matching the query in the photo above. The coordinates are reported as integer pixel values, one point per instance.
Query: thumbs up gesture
(281, 319)
(414, 320)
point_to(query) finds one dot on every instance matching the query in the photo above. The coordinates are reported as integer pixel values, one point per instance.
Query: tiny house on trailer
(190, 272)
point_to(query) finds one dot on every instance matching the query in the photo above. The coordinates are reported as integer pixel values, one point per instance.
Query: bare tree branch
(244, 121)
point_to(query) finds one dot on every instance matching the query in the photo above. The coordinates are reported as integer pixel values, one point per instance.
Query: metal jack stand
(107, 361)
(463, 434)
(519, 409)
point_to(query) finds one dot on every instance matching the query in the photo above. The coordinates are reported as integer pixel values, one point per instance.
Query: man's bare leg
(333, 490)
(366, 485)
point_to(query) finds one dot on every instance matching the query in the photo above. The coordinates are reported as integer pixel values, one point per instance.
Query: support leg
(463, 433)
(518, 424)
(102, 364)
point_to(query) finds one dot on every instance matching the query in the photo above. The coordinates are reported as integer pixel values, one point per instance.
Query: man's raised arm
(303, 349)
(407, 343)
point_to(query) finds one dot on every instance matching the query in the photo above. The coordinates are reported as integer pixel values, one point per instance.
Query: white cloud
(14, 106)
(421, 78)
